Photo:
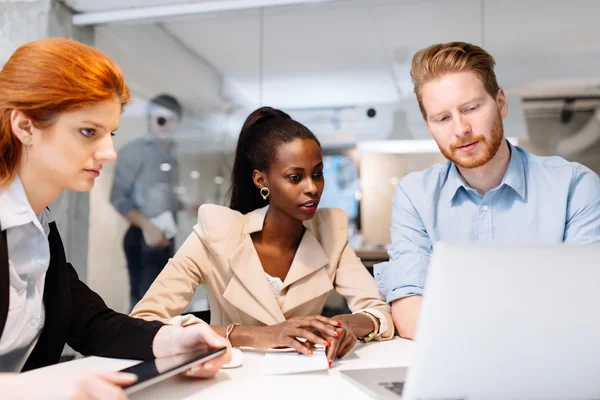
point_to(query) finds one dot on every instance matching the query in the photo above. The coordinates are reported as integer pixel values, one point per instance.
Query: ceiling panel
(535, 27)
(330, 49)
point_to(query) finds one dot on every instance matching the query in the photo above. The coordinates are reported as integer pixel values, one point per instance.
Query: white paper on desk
(294, 363)
(165, 223)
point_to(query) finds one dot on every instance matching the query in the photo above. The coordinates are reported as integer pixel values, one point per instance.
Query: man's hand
(154, 237)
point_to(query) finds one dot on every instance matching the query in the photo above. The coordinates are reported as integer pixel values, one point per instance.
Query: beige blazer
(220, 254)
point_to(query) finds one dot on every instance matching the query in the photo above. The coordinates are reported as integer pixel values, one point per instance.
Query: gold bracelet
(229, 330)
(376, 326)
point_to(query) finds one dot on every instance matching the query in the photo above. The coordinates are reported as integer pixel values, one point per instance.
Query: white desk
(248, 382)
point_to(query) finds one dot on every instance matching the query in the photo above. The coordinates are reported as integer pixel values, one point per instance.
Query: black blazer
(77, 315)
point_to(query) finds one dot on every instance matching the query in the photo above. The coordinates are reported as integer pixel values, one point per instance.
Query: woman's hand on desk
(171, 340)
(316, 329)
(343, 343)
(70, 385)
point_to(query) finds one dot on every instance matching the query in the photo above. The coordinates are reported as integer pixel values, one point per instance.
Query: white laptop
(505, 322)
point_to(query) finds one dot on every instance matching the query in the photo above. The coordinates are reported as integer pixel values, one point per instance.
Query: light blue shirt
(540, 200)
(146, 177)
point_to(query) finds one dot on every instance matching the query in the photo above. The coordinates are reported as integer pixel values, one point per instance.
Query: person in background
(270, 259)
(60, 103)
(143, 191)
(489, 191)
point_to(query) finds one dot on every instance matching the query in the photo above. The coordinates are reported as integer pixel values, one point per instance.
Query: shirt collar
(455, 181)
(514, 177)
(515, 173)
(15, 209)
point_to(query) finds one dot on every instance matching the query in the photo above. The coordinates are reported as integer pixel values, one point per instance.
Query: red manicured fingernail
(338, 323)
(310, 352)
(326, 343)
(330, 362)
(336, 334)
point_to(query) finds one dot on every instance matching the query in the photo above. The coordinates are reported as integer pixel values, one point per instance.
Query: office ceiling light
(177, 10)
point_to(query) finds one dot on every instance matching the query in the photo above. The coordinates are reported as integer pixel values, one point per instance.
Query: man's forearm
(405, 313)
(136, 218)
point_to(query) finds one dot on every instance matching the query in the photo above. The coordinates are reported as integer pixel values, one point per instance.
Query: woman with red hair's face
(70, 153)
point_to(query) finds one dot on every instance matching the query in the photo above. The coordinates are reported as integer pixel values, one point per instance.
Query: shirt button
(31, 281)
(33, 321)
(485, 208)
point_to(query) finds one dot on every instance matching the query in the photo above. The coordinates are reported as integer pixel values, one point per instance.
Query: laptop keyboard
(395, 387)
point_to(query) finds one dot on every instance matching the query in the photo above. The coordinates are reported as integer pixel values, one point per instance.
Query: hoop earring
(264, 192)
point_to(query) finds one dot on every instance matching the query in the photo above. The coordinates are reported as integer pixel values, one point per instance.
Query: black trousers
(144, 263)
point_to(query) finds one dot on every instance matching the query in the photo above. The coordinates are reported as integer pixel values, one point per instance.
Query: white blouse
(28, 261)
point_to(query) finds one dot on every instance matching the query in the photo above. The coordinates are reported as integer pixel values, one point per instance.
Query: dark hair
(167, 101)
(264, 130)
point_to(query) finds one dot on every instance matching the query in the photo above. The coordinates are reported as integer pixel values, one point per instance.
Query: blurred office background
(341, 67)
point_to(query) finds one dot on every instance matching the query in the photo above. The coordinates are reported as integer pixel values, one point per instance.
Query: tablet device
(154, 371)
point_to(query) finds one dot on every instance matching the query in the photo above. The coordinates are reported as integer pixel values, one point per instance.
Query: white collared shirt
(28, 261)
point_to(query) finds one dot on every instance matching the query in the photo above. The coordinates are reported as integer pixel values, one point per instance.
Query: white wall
(21, 21)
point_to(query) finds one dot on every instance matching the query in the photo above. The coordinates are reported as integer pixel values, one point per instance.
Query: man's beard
(483, 156)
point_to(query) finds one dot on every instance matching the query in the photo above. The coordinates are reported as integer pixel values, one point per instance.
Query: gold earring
(26, 140)
(264, 192)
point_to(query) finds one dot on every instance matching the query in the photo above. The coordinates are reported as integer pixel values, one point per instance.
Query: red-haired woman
(60, 103)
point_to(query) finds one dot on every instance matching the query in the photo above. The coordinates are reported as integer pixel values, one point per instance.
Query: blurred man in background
(143, 191)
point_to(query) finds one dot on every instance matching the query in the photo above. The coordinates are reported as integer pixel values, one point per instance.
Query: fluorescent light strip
(410, 146)
(141, 13)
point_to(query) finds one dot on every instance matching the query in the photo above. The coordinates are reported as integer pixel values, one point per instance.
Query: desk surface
(248, 382)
